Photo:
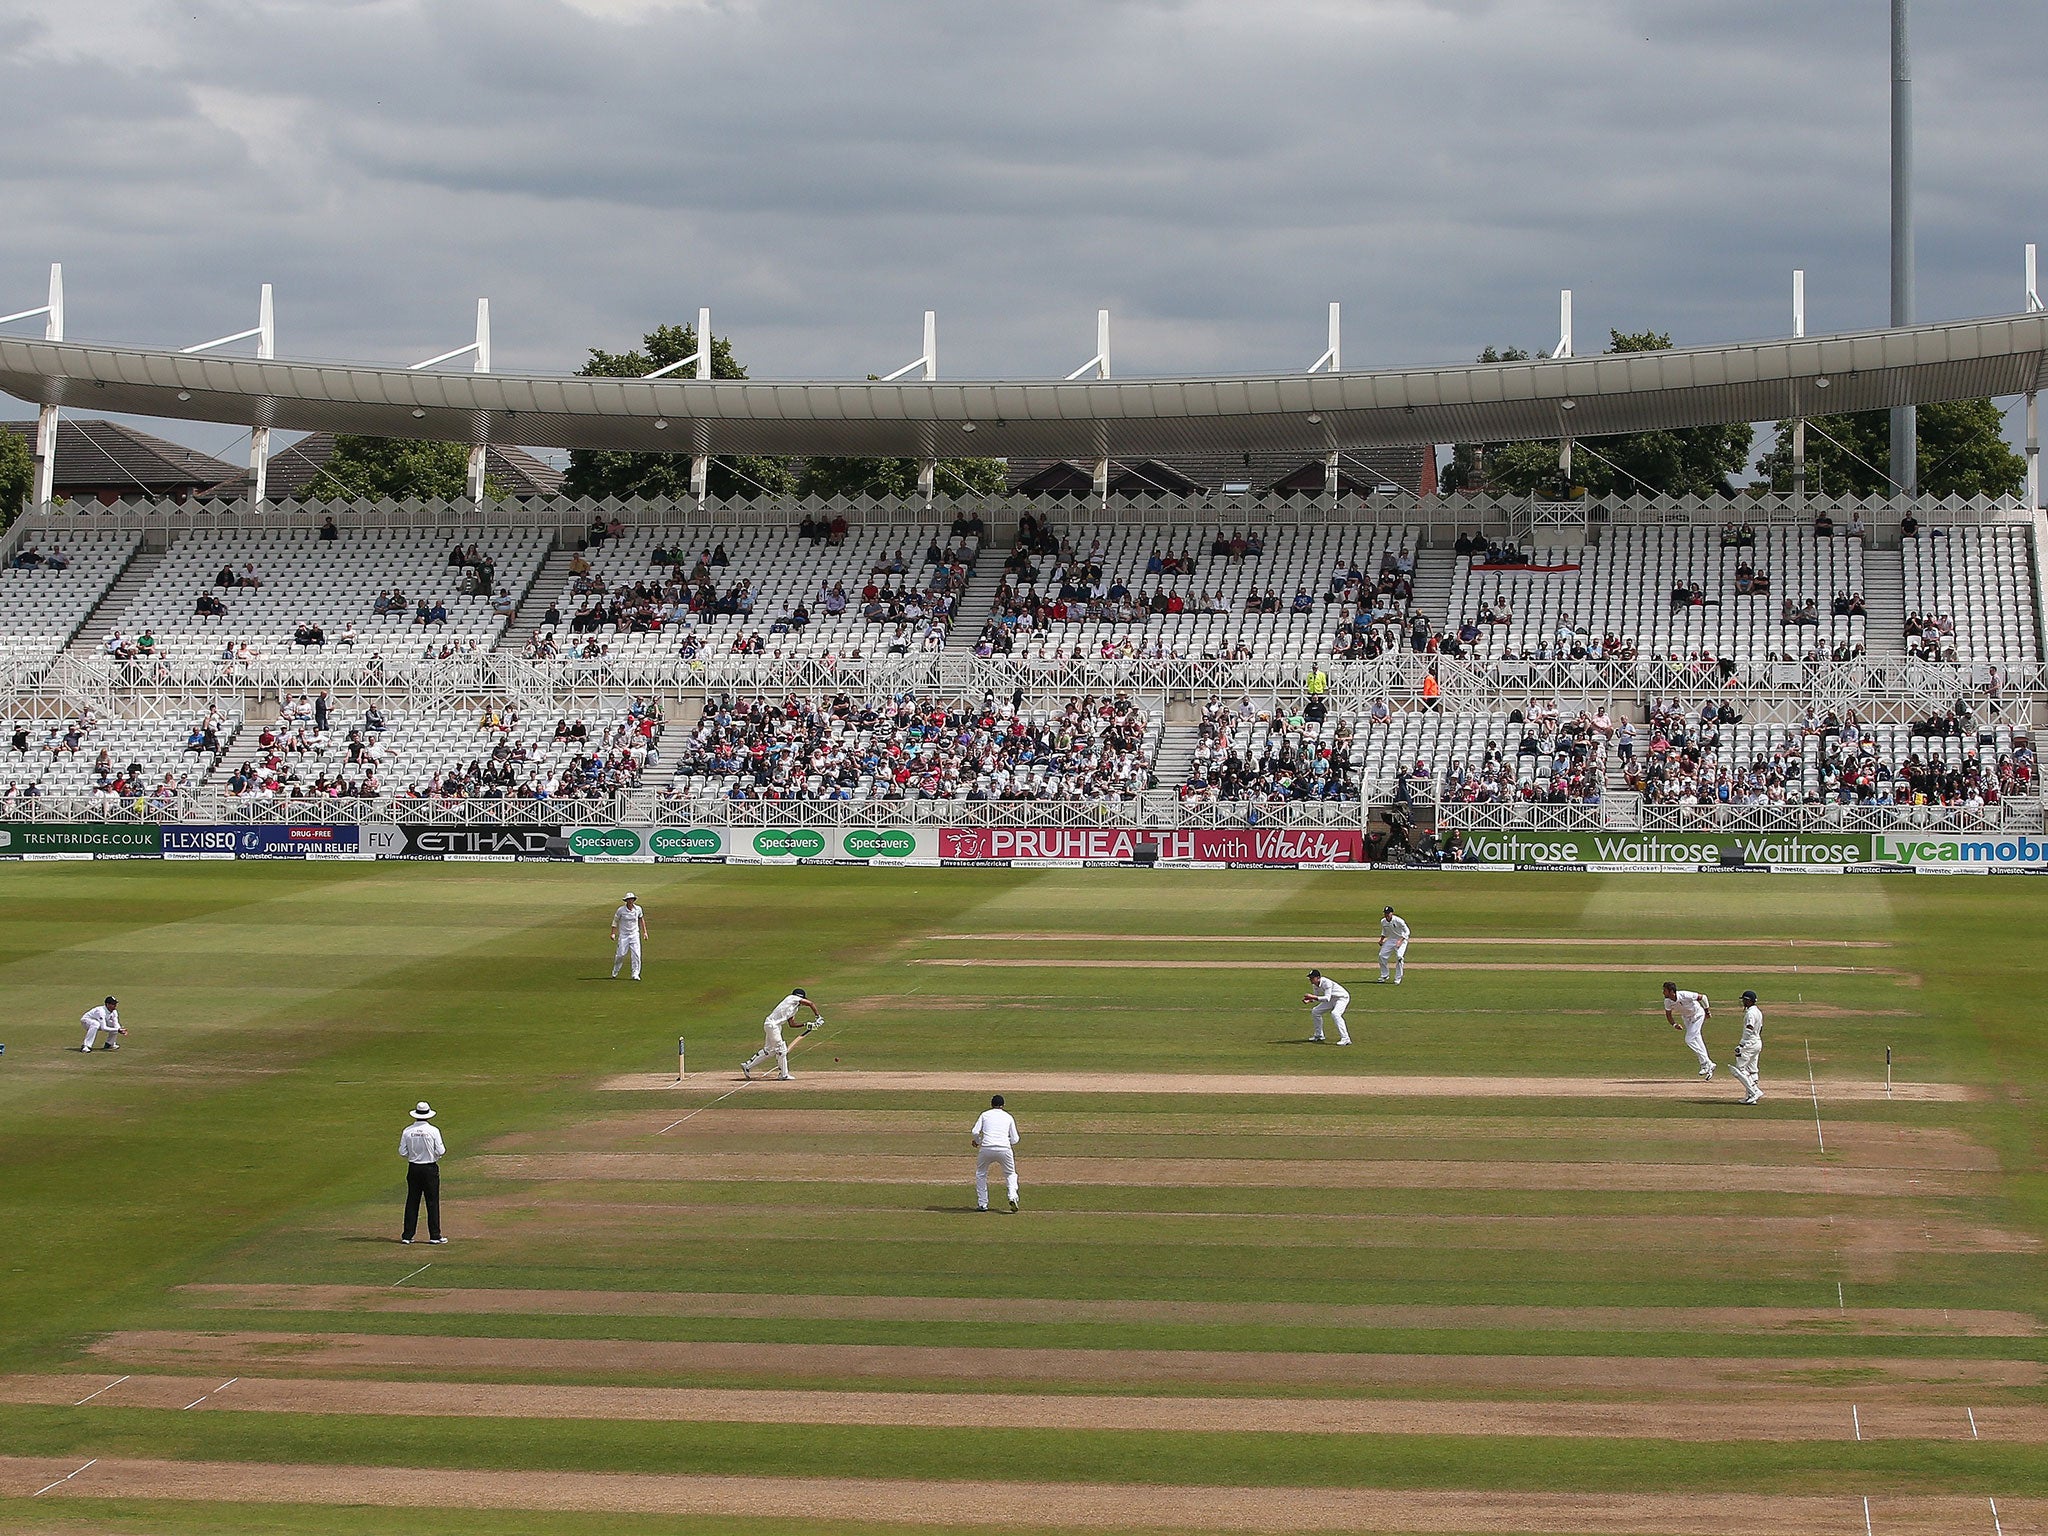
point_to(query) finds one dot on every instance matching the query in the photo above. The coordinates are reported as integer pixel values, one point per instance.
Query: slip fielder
(995, 1142)
(1330, 1002)
(103, 1020)
(628, 923)
(771, 1028)
(1393, 946)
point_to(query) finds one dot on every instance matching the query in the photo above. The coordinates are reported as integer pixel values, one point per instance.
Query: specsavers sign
(1820, 850)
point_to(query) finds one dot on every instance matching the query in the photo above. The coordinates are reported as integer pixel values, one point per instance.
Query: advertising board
(1978, 852)
(430, 842)
(31, 839)
(267, 841)
(1277, 847)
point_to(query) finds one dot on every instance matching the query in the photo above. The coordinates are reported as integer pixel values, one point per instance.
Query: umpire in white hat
(422, 1148)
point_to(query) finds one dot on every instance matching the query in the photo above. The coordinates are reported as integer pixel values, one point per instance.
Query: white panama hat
(422, 1111)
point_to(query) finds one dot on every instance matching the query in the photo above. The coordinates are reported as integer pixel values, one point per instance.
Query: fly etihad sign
(1237, 845)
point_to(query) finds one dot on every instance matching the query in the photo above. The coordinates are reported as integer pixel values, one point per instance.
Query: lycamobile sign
(604, 842)
(690, 843)
(780, 844)
(879, 843)
(2000, 850)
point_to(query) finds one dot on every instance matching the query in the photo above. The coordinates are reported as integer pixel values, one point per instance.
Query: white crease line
(91, 1395)
(1856, 1419)
(1866, 1516)
(745, 1082)
(420, 1271)
(1973, 1422)
(202, 1397)
(1814, 1088)
(1841, 1304)
(1995, 1526)
(65, 1479)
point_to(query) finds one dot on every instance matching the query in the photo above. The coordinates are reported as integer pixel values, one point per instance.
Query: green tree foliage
(608, 473)
(898, 477)
(400, 469)
(17, 476)
(1962, 452)
(1691, 461)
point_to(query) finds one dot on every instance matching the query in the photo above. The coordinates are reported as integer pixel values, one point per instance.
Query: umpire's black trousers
(422, 1182)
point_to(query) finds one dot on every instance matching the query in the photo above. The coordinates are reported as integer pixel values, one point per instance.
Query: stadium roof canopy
(1084, 419)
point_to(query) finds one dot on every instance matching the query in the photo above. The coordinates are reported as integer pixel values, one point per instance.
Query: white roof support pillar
(46, 418)
(928, 361)
(2034, 307)
(1333, 354)
(700, 463)
(1564, 349)
(1099, 366)
(1799, 422)
(480, 349)
(264, 332)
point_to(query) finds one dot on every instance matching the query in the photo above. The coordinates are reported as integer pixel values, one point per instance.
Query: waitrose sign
(1787, 851)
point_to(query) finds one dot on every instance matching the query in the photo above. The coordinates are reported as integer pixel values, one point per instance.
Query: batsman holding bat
(772, 1043)
(1751, 1048)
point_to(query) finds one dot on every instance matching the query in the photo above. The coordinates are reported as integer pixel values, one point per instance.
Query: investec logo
(801, 844)
(604, 842)
(870, 843)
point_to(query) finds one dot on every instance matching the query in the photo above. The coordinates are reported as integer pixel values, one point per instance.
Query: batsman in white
(1393, 946)
(1690, 1011)
(1330, 1002)
(995, 1140)
(628, 923)
(103, 1020)
(771, 1029)
(1751, 1049)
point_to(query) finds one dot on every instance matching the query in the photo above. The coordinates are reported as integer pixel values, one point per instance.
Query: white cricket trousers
(771, 1046)
(92, 1035)
(1696, 1045)
(1747, 1057)
(629, 945)
(1334, 1011)
(1392, 950)
(986, 1158)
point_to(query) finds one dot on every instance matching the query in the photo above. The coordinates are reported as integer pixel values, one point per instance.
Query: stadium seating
(155, 750)
(331, 584)
(1623, 588)
(1982, 578)
(1451, 751)
(493, 752)
(1092, 748)
(41, 608)
(782, 571)
(1293, 560)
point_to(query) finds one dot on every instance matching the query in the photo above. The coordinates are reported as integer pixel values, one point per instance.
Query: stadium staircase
(1177, 743)
(1884, 602)
(550, 584)
(976, 602)
(99, 623)
(1434, 569)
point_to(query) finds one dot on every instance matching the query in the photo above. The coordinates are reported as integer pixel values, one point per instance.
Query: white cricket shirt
(1752, 1023)
(1328, 991)
(627, 921)
(995, 1128)
(1394, 928)
(1691, 1007)
(785, 1010)
(105, 1017)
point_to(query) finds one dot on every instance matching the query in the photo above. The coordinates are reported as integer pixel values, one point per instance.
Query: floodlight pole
(1564, 349)
(2034, 307)
(1905, 436)
(700, 360)
(1799, 422)
(265, 334)
(928, 360)
(1332, 359)
(1099, 363)
(46, 417)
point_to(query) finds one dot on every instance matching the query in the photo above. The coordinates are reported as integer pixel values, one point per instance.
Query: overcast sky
(1215, 172)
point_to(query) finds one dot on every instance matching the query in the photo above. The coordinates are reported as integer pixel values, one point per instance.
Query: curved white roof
(1292, 413)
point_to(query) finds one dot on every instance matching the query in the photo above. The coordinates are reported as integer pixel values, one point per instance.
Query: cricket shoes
(1343, 1042)
(1013, 1207)
(746, 1072)
(87, 1049)
(407, 1241)
(1707, 1072)
(783, 1077)
(437, 1240)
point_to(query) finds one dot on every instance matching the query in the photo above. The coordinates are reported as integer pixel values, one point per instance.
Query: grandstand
(1463, 676)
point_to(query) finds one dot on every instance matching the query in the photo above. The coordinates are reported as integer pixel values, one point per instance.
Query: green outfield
(1504, 1265)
